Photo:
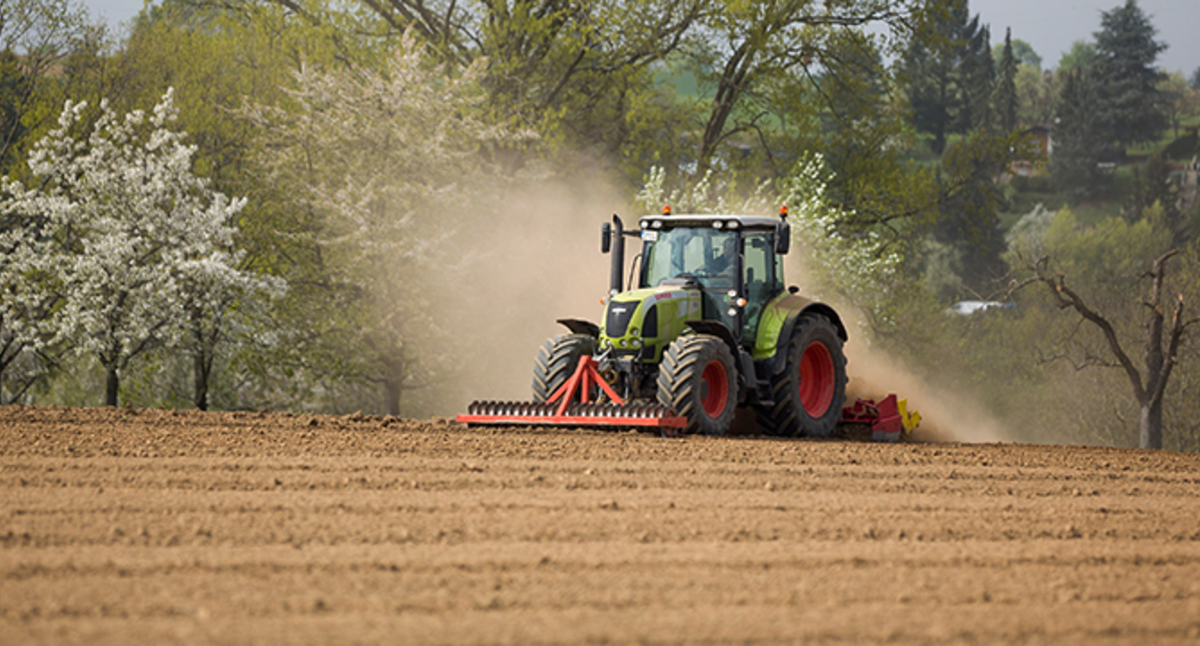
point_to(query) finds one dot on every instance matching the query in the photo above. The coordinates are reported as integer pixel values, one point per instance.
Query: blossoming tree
(133, 249)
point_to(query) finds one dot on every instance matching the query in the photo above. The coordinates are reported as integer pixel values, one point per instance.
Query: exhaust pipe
(617, 233)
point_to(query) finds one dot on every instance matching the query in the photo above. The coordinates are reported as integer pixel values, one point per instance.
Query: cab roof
(757, 222)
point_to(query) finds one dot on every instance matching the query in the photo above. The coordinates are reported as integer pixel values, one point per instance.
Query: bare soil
(135, 526)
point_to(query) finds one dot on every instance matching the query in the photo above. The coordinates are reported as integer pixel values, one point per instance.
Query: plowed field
(128, 526)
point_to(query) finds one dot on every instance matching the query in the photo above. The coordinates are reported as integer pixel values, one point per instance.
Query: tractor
(707, 325)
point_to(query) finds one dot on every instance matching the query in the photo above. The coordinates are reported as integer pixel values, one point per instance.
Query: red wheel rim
(816, 379)
(715, 395)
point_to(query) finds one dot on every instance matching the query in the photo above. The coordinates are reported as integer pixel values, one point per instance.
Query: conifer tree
(1006, 86)
(983, 82)
(940, 75)
(1078, 141)
(1129, 94)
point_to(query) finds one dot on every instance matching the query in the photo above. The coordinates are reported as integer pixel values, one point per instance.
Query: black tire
(698, 379)
(556, 362)
(809, 409)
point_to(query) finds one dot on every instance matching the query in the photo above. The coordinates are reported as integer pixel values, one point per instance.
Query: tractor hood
(643, 321)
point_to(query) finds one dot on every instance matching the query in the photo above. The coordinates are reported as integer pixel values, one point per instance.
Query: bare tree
(1162, 340)
(40, 34)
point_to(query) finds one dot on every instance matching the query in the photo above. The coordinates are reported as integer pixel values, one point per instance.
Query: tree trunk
(111, 387)
(391, 395)
(1151, 426)
(939, 142)
(201, 367)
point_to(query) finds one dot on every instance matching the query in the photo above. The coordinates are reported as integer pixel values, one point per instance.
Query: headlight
(717, 224)
(733, 224)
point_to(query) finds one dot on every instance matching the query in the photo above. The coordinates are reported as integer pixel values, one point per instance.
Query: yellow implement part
(908, 419)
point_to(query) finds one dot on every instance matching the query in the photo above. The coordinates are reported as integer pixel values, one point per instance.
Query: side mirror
(605, 237)
(783, 238)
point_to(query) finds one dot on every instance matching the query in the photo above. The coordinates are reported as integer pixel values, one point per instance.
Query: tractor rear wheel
(556, 362)
(698, 379)
(811, 390)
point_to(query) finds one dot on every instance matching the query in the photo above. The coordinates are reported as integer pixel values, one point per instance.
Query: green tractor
(706, 326)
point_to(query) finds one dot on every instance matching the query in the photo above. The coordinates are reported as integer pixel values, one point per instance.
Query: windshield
(710, 255)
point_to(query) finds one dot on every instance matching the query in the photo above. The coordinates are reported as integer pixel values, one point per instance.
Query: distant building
(1045, 143)
(1042, 134)
(1189, 184)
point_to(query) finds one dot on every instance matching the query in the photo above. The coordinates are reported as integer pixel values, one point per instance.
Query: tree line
(280, 228)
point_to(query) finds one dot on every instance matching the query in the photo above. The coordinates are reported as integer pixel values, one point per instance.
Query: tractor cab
(713, 275)
(736, 262)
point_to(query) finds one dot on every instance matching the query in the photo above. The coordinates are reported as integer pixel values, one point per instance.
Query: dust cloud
(946, 415)
(539, 260)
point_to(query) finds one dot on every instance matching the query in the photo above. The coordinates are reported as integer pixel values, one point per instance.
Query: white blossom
(122, 233)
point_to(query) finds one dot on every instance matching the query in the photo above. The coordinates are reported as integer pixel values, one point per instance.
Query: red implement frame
(570, 406)
(883, 417)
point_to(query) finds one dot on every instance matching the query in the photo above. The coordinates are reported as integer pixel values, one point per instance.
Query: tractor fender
(580, 326)
(779, 361)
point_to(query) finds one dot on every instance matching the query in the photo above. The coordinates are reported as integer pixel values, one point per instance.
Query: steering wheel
(688, 277)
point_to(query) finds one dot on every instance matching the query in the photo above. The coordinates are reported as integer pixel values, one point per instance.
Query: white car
(966, 308)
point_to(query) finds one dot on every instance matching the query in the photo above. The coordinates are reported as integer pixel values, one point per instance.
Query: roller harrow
(570, 406)
(889, 419)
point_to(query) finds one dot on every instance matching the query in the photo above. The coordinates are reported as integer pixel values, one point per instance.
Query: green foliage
(952, 77)
(1181, 102)
(1006, 88)
(378, 170)
(969, 240)
(1081, 54)
(1183, 148)
(13, 85)
(39, 41)
(1155, 187)
(773, 71)
(861, 265)
(1111, 256)
(179, 44)
(1118, 273)
(1037, 95)
(580, 74)
(934, 83)
(1022, 51)
(979, 74)
(1078, 138)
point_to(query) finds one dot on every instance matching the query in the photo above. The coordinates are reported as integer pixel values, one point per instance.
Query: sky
(114, 11)
(1049, 26)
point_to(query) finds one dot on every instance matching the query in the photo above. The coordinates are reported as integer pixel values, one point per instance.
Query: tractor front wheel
(698, 379)
(556, 362)
(811, 390)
